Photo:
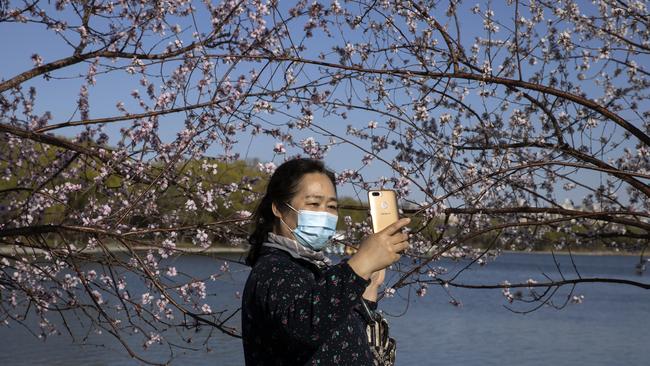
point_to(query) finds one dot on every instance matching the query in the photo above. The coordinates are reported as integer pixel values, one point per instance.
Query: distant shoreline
(238, 250)
(139, 248)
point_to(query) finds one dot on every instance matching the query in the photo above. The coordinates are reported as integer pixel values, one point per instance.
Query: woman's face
(315, 193)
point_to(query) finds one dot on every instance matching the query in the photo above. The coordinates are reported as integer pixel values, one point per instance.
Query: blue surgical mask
(314, 229)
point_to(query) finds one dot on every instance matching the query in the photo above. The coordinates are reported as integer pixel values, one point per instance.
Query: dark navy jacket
(294, 313)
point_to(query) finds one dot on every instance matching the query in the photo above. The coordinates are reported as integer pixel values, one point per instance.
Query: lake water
(610, 327)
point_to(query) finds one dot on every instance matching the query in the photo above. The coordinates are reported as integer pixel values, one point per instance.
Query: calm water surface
(611, 326)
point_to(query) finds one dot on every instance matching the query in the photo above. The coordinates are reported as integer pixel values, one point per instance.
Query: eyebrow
(320, 197)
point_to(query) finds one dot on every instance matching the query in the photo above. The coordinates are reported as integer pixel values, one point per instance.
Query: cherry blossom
(517, 125)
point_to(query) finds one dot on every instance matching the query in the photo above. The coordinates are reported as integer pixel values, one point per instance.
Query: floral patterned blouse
(294, 313)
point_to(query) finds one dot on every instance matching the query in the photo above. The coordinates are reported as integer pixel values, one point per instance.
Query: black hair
(282, 187)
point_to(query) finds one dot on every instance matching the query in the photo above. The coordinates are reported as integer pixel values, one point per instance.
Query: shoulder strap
(368, 314)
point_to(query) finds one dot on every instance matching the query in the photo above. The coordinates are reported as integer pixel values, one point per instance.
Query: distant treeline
(238, 185)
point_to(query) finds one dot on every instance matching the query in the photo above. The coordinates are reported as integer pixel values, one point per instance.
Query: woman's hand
(380, 250)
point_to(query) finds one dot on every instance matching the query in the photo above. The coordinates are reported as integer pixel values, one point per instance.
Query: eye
(333, 207)
(312, 204)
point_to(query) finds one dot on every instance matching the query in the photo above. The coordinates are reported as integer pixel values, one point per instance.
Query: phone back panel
(383, 208)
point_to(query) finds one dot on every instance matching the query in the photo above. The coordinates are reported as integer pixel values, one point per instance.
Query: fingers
(398, 238)
(394, 227)
(386, 246)
(401, 245)
(399, 250)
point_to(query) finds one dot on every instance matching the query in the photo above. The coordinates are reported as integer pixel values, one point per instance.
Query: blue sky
(59, 97)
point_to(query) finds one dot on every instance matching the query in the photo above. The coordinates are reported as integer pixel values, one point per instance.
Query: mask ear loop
(289, 227)
(285, 224)
(291, 207)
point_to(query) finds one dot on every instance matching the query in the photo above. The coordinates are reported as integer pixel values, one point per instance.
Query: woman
(298, 308)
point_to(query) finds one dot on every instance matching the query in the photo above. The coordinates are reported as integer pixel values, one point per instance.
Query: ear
(275, 210)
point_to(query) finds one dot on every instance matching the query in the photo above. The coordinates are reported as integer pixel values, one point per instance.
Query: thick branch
(599, 164)
(466, 76)
(74, 59)
(642, 285)
(62, 143)
(600, 216)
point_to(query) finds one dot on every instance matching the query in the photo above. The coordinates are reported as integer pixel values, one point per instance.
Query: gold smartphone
(383, 208)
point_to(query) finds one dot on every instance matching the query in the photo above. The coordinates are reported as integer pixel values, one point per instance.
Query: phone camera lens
(375, 194)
